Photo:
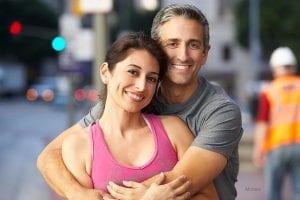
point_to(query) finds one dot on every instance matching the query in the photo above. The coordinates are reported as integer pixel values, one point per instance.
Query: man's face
(182, 40)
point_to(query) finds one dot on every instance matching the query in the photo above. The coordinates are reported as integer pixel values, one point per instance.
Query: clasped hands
(177, 189)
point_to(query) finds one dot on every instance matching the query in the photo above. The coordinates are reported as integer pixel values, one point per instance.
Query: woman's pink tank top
(105, 168)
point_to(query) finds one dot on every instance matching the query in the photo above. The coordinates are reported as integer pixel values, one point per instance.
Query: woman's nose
(140, 84)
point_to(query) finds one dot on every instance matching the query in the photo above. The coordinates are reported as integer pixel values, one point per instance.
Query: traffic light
(15, 28)
(59, 43)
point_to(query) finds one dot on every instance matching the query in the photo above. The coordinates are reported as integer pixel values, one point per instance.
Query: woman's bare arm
(76, 154)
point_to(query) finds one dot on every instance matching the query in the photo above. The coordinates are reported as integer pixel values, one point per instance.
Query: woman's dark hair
(135, 41)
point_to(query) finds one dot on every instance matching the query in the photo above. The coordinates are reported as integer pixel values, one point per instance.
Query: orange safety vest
(283, 95)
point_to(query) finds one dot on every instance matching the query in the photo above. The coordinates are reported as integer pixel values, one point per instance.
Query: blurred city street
(27, 127)
(51, 51)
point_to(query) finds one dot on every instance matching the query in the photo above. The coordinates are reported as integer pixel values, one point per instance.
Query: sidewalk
(250, 184)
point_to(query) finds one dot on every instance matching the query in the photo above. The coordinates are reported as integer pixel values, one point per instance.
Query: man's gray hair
(177, 10)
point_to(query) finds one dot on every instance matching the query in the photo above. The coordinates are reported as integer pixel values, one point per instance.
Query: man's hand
(176, 189)
(258, 158)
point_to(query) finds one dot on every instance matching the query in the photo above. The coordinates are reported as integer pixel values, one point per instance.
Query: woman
(126, 143)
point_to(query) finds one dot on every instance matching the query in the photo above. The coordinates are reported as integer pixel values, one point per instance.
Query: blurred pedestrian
(277, 131)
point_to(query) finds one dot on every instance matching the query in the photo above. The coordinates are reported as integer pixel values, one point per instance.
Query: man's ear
(104, 72)
(205, 54)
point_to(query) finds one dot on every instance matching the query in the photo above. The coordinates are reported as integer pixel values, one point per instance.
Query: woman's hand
(175, 190)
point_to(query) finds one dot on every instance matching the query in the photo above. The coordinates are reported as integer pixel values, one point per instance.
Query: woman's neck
(116, 120)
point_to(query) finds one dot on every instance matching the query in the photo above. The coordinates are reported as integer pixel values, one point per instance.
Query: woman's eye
(132, 72)
(152, 79)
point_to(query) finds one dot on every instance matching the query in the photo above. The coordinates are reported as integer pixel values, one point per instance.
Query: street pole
(101, 43)
(254, 38)
(71, 75)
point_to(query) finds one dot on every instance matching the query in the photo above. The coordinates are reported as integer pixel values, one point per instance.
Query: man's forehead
(180, 28)
(181, 21)
(181, 37)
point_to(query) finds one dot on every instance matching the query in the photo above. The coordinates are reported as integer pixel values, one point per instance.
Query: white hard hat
(282, 56)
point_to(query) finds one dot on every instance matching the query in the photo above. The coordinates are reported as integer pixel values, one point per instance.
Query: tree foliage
(279, 24)
(131, 19)
(39, 24)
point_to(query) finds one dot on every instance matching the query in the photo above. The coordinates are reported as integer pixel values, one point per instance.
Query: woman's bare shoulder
(175, 127)
(172, 120)
(79, 140)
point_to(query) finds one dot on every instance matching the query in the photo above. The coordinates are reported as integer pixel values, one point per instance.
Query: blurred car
(57, 90)
(48, 89)
(86, 94)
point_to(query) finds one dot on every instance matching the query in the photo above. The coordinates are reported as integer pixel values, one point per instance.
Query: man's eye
(172, 45)
(194, 45)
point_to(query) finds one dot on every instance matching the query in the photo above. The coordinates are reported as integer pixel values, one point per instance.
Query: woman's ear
(104, 72)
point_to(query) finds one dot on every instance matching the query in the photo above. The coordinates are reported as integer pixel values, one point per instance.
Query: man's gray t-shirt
(215, 120)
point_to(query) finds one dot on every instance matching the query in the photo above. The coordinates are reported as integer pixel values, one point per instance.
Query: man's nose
(183, 53)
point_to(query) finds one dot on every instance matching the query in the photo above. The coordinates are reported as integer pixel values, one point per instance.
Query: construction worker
(277, 131)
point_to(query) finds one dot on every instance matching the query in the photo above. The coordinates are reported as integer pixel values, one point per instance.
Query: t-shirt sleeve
(91, 116)
(263, 108)
(221, 129)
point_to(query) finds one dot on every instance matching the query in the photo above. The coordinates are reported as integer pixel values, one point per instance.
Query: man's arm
(51, 165)
(261, 129)
(260, 132)
(200, 166)
(54, 171)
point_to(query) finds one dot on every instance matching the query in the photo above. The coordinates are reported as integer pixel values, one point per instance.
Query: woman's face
(132, 83)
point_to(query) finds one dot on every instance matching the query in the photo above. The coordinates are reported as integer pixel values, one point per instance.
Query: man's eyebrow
(195, 40)
(171, 39)
(176, 40)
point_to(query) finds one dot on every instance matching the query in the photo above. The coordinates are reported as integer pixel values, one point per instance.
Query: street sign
(95, 6)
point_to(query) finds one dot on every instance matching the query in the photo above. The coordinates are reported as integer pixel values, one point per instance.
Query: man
(213, 117)
(277, 132)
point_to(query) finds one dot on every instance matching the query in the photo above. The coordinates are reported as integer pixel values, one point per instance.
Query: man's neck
(171, 93)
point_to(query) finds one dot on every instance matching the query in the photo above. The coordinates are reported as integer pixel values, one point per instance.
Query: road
(27, 127)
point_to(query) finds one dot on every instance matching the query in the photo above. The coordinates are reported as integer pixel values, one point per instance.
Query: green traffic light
(58, 43)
